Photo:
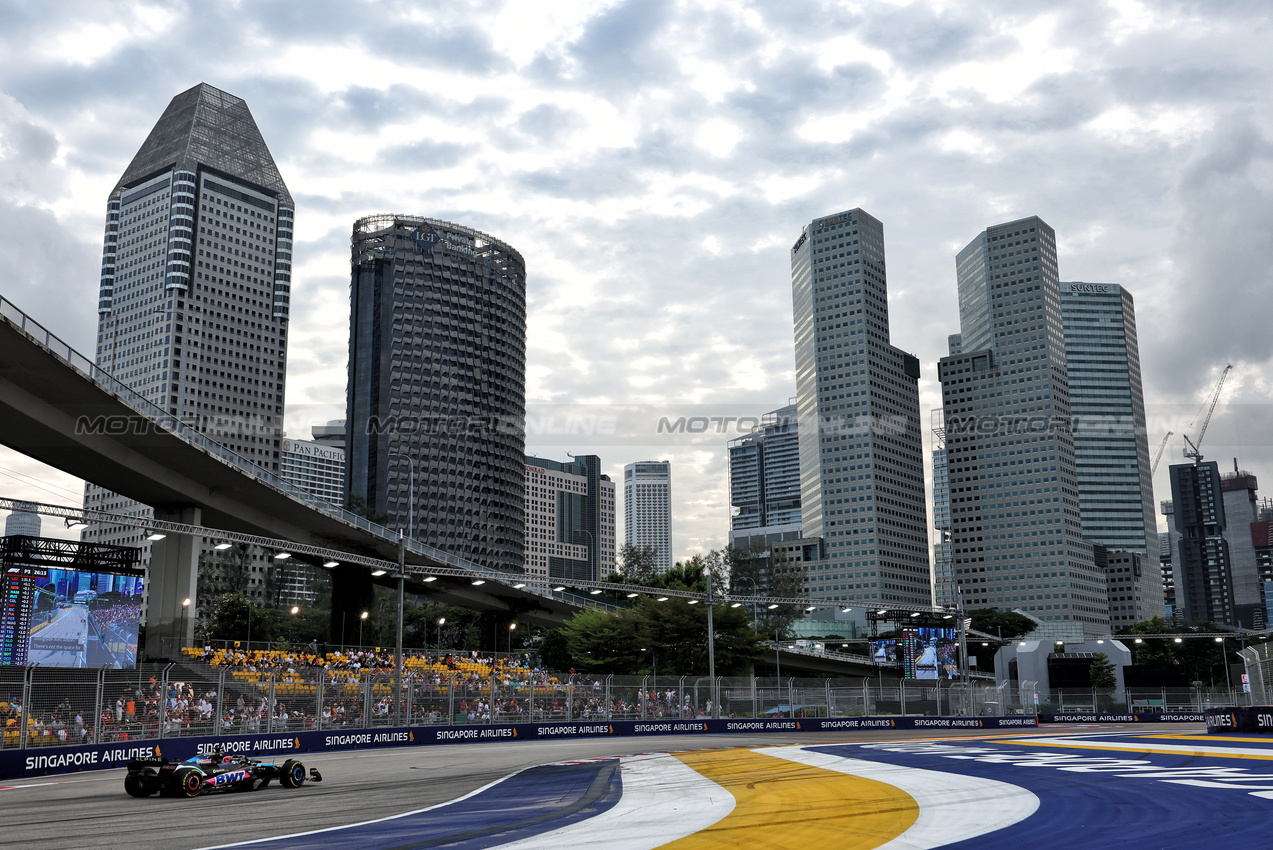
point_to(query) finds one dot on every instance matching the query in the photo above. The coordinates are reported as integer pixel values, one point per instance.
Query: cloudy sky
(654, 162)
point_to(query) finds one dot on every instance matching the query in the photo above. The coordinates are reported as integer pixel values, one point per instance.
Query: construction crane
(1191, 450)
(1158, 454)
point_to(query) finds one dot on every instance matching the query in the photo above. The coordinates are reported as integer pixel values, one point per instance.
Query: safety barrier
(21, 763)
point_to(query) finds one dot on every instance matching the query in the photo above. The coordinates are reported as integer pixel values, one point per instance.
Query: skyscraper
(945, 593)
(1111, 449)
(764, 474)
(1238, 489)
(1016, 533)
(22, 522)
(195, 289)
(570, 519)
(861, 453)
(1204, 576)
(647, 508)
(436, 402)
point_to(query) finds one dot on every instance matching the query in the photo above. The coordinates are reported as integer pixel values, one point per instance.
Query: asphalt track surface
(70, 624)
(836, 790)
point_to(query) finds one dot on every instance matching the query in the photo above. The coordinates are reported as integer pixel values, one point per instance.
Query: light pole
(441, 623)
(291, 630)
(711, 640)
(362, 618)
(512, 627)
(185, 606)
(1224, 659)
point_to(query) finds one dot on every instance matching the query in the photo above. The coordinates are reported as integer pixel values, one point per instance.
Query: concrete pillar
(174, 577)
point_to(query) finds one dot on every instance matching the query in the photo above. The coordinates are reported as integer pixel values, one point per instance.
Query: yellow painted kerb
(784, 804)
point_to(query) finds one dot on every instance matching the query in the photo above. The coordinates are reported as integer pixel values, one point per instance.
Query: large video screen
(920, 653)
(68, 618)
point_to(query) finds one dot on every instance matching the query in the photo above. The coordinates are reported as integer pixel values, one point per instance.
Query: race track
(1112, 786)
(63, 642)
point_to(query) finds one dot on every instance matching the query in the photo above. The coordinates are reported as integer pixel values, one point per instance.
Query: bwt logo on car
(227, 778)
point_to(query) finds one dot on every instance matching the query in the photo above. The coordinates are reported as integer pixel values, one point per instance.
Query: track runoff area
(1098, 786)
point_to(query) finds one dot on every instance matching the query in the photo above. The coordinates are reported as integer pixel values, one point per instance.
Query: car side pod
(314, 775)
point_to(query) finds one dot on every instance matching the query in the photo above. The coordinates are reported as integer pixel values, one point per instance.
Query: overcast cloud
(654, 162)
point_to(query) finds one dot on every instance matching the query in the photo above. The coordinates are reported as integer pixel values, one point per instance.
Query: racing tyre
(139, 784)
(292, 774)
(187, 783)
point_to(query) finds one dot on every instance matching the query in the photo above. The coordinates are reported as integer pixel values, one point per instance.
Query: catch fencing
(47, 707)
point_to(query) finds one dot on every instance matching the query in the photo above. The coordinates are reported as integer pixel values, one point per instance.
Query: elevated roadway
(57, 407)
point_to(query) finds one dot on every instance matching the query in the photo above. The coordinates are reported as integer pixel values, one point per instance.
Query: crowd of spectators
(122, 614)
(278, 691)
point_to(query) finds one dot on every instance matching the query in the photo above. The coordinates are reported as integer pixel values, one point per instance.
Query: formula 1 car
(208, 774)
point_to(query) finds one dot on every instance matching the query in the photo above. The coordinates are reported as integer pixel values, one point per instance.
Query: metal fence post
(367, 701)
(644, 694)
(609, 705)
(829, 707)
(492, 697)
(901, 690)
(450, 699)
(101, 693)
(25, 717)
(269, 706)
(530, 699)
(163, 701)
(716, 688)
(753, 696)
(680, 696)
(410, 700)
(320, 688)
(570, 701)
(219, 708)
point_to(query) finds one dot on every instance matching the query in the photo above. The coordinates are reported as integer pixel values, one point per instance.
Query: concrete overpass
(58, 407)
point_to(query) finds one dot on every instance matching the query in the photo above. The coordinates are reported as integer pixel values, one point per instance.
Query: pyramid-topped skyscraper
(196, 281)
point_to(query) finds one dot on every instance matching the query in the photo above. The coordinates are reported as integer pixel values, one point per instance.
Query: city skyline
(688, 177)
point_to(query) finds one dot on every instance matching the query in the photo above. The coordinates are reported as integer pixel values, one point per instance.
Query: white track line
(663, 800)
(952, 807)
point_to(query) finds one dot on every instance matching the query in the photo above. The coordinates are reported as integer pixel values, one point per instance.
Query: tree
(638, 564)
(1152, 651)
(1102, 672)
(601, 641)
(1003, 624)
(672, 633)
(222, 572)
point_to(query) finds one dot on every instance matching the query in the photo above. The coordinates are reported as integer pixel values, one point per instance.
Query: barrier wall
(39, 761)
(1147, 717)
(1250, 720)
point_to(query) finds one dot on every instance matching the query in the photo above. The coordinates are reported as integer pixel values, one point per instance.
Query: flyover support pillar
(173, 578)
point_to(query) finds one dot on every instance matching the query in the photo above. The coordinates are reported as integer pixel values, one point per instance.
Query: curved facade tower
(437, 385)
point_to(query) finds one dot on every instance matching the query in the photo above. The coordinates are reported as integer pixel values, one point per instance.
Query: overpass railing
(47, 707)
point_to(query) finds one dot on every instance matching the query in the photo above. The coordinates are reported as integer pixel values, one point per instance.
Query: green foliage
(554, 651)
(1004, 624)
(1102, 672)
(637, 564)
(1152, 650)
(671, 634)
(602, 642)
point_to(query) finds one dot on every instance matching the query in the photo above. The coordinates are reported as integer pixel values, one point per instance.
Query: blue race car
(209, 774)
